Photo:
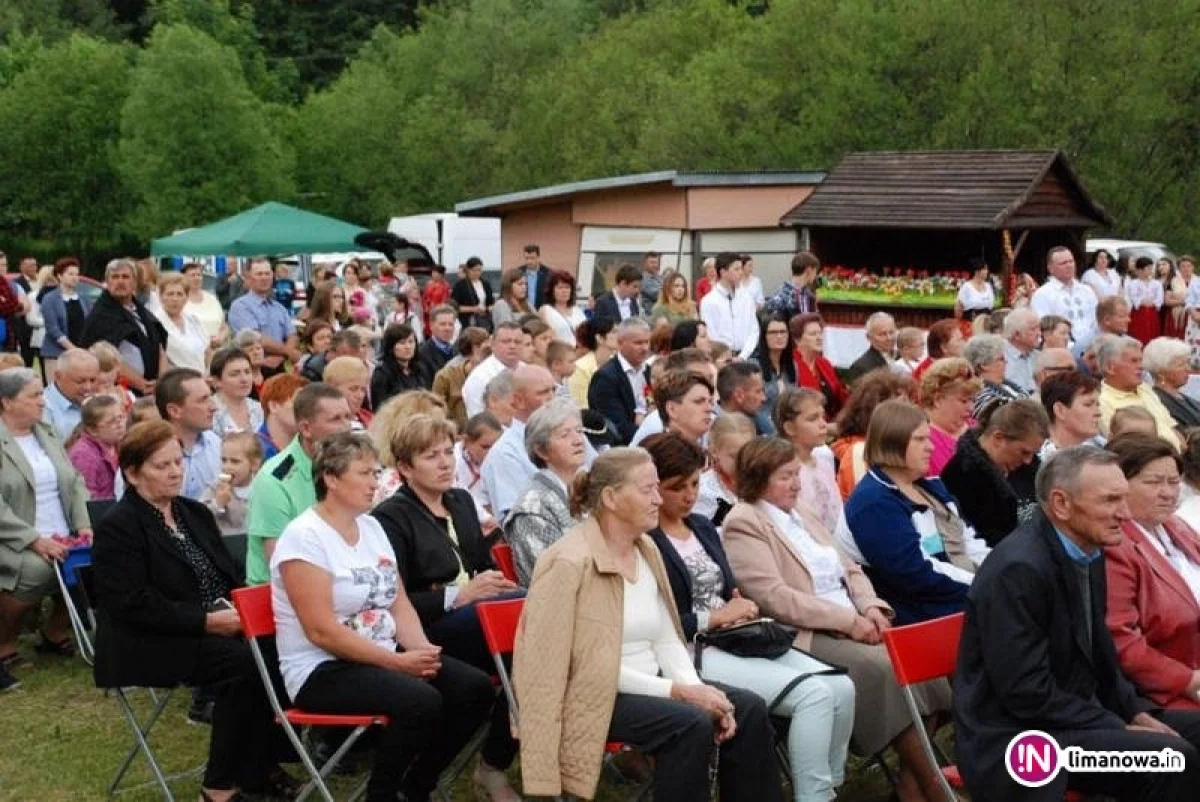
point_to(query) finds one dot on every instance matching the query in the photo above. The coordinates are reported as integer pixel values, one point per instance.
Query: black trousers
(680, 737)
(243, 744)
(460, 636)
(430, 721)
(1175, 787)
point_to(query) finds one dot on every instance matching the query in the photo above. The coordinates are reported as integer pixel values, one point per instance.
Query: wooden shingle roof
(980, 189)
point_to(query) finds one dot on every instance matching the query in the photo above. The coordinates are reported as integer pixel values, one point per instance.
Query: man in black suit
(621, 302)
(1036, 653)
(618, 388)
(881, 334)
(537, 277)
(438, 349)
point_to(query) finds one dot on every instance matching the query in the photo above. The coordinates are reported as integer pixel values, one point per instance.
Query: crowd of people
(663, 466)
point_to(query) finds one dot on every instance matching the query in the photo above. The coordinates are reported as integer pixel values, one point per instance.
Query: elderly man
(258, 310)
(1022, 334)
(1119, 361)
(881, 334)
(729, 311)
(1050, 361)
(618, 389)
(1112, 316)
(1035, 652)
(74, 380)
(506, 355)
(506, 469)
(1062, 295)
(118, 317)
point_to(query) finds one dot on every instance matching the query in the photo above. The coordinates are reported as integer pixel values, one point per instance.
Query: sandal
(61, 648)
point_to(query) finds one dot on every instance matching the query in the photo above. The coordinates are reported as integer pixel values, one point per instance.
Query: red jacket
(436, 293)
(1153, 615)
(807, 378)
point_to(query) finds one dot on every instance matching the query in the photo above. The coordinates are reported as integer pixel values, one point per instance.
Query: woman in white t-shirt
(975, 296)
(349, 639)
(561, 314)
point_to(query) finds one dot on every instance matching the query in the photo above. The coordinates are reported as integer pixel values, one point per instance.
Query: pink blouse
(819, 490)
(944, 447)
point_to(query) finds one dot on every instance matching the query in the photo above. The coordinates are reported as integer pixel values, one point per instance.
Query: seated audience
(813, 370)
(163, 580)
(445, 565)
(691, 334)
(143, 409)
(1189, 487)
(1167, 359)
(233, 381)
(800, 419)
(93, 453)
(881, 337)
(1035, 653)
(279, 421)
(560, 361)
(388, 421)
(250, 342)
(438, 349)
(1072, 405)
(684, 400)
(471, 348)
(600, 657)
(241, 457)
(598, 338)
(948, 390)
(1119, 361)
(478, 437)
(821, 706)
(1132, 419)
(619, 388)
(1056, 332)
(776, 356)
(345, 342)
(986, 355)
(1022, 331)
(718, 483)
(507, 469)
(788, 565)
(1050, 361)
(397, 370)
(44, 499)
(498, 398)
(556, 446)
(687, 359)
(541, 336)
(1154, 578)
(991, 474)
(352, 376)
(851, 426)
(910, 348)
(944, 338)
(315, 342)
(904, 527)
(740, 390)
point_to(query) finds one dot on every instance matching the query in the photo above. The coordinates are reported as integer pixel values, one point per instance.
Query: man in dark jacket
(1036, 654)
(537, 277)
(881, 334)
(621, 302)
(438, 348)
(120, 318)
(618, 388)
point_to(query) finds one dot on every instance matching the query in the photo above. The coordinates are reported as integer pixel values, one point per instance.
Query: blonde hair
(168, 280)
(392, 416)
(417, 434)
(950, 374)
(146, 273)
(685, 307)
(11, 361)
(728, 426)
(251, 446)
(107, 354)
(611, 469)
(344, 369)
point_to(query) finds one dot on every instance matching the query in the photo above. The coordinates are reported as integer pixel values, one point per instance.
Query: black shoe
(200, 712)
(7, 681)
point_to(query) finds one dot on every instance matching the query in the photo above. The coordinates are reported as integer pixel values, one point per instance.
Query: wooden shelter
(934, 210)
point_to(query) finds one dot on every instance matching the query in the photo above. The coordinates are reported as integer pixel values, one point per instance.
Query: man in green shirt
(283, 487)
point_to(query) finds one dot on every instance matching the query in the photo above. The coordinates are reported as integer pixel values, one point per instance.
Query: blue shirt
(268, 445)
(201, 465)
(265, 315)
(1077, 554)
(445, 348)
(531, 279)
(61, 412)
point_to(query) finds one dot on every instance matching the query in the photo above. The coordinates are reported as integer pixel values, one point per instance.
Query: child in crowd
(8, 360)
(1131, 419)
(108, 381)
(241, 457)
(721, 354)
(560, 359)
(718, 486)
(910, 343)
(143, 409)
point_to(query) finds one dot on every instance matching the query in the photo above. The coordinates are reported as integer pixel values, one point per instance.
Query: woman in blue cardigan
(64, 309)
(904, 528)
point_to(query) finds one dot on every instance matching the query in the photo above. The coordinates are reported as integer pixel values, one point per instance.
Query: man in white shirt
(74, 380)
(728, 311)
(1062, 295)
(506, 469)
(1021, 334)
(506, 355)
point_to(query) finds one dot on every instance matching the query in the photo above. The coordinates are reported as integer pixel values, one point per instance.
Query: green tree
(196, 144)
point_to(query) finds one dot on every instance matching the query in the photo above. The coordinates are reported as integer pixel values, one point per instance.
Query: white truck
(452, 239)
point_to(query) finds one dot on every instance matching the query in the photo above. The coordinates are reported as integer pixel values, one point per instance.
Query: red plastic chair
(258, 621)
(923, 652)
(502, 556)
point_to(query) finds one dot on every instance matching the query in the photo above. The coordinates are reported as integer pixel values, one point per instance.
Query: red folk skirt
(1145, 323)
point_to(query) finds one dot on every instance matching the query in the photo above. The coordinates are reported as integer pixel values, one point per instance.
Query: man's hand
(1145, 722)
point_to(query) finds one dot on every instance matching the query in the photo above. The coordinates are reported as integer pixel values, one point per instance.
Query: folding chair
(258, 621)
(68, 574)
(502, 556)
(499, 620)
(923, 652)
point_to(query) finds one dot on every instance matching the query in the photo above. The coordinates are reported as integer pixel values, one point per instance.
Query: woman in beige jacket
(788, 564)
(600, 656)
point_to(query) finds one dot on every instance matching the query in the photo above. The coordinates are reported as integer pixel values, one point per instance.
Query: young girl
(1145, 296)
(800, 419)
(541, 336)
(143, 409)
(108, 381)
(718, 485)
(233, 381)
(910, 343)
(93, 449)
(241, 457)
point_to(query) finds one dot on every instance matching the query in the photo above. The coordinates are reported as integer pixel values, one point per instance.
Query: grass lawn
(63, 739)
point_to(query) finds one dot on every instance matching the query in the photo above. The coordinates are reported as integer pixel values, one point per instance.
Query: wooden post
(1007, 261)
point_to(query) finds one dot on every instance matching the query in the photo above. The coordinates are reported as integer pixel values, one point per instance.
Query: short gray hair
(336, 452)
(1018, 319)
(119, 264)
(1043, 358)
(631, 325)
(983, 349)
(501, 386)
(14, 380)
(247, 337)
(879, 317)
(540, 427)
(77, 357)
(1111, 347)
(1064, 467)
(1160, 352)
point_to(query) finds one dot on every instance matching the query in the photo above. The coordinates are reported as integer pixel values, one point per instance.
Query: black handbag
(762, 637)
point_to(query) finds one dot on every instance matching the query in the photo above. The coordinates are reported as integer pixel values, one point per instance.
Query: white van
(452, 239)
(1120, 249)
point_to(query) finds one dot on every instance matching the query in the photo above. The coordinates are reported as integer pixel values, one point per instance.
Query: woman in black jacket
(397, 370)
(163, 580)
(445, 564)
(991, 474)
(473, 297)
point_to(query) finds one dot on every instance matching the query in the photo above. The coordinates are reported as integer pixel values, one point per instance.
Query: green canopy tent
(272, 229)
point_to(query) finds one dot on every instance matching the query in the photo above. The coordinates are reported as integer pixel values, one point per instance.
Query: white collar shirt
(731, 318)
(637, 382)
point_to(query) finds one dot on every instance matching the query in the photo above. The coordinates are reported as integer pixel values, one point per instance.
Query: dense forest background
(124, 120)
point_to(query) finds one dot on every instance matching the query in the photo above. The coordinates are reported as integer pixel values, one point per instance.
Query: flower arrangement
(919, 287)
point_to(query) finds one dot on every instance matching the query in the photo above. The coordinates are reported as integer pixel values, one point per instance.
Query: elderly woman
(250, 342)
(985, 354)
(1166, 359)
(788, 565)
(556, 446)
(819, 705)
(813, 370)
(947, 390)
(446, 567)
(471, 348)
(187, 340)
(1072, 403)
(350, 641)
(904, 528)
(163, 579)
(94, 450)
(44, 498)
(279, 424)
(992, 472)
(232, 377)
(600, 656)
(1154, 578)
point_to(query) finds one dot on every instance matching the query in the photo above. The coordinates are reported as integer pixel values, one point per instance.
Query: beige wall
(658, 206)
(741, 207)
(550, 227)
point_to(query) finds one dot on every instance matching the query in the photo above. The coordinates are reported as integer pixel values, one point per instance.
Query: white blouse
(186, 346)
(823, 562)
(1142, 290)
(50, 519)
(653, 657)
(1103, 286)
(971, 298)
(563, 327)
